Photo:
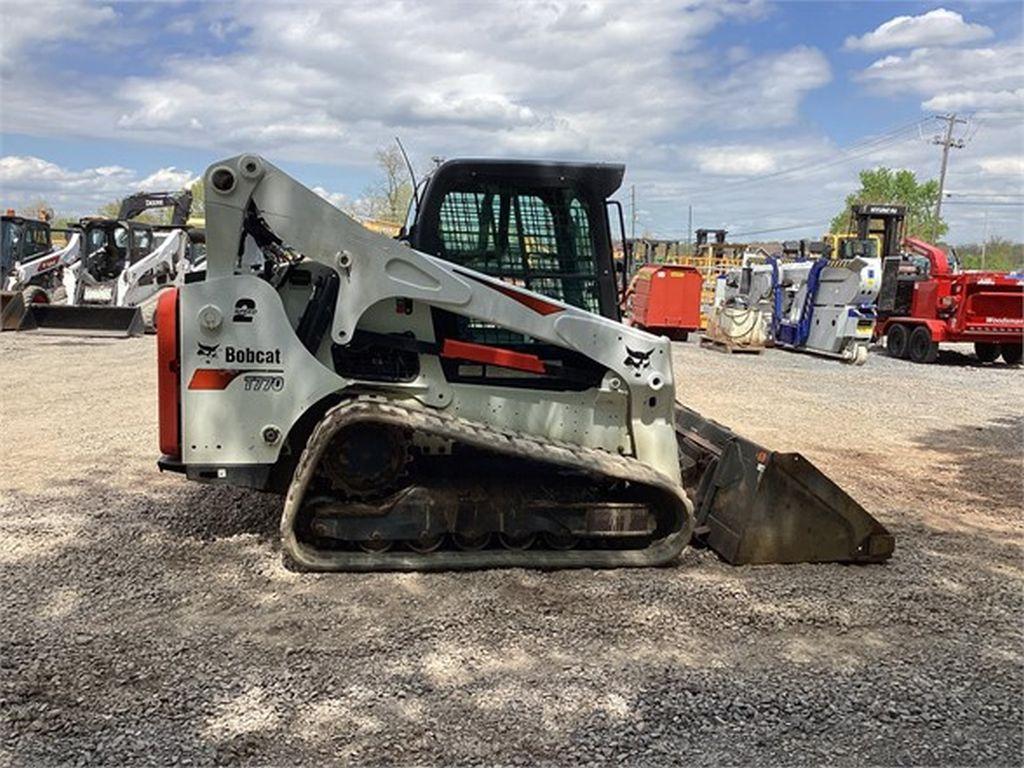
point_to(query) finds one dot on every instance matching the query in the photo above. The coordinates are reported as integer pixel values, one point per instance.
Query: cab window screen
(540, 240)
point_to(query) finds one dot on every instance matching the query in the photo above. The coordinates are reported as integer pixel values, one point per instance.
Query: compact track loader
(466, 398)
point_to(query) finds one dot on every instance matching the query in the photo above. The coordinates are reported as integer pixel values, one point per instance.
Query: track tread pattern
(303, 556)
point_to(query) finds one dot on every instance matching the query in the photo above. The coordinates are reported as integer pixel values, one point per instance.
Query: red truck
(926, 299)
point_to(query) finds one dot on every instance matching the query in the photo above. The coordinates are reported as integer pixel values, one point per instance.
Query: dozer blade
(12, 309)
(83, 320)
(755, 506)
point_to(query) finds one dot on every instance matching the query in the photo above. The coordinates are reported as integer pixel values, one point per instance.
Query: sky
(757, 114)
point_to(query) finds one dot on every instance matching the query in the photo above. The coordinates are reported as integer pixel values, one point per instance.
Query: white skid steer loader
(111, 268)
(418, 413)
(37, 280)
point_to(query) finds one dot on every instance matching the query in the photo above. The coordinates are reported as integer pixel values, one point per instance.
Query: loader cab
(852, 246)
(21, 239)
(900, 270)
(703, 237)
(884, 223)
(713, 252)
(539, 225)
(542, 226)
(112, 245)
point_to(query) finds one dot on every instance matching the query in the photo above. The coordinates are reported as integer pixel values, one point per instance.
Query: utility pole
(946, 141)
(984, 240)
(689, 229)
(632, 212)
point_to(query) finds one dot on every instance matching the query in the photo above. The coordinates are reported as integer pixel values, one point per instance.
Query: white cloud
(571, 79)
(1004, 166)
(767, 91)
(973, 100)
(26, 171)
(934, 71)
(25, 25)
(167, 179)
(184, 25)
(337, 199)
(985, 83)
(313, 84)
(24, 178)
(733, 161)
(934, 28)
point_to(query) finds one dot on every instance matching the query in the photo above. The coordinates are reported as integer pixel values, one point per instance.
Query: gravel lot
(147, 620)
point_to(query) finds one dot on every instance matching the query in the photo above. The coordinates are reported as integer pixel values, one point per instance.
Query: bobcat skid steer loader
(111, 270)
(419, 413)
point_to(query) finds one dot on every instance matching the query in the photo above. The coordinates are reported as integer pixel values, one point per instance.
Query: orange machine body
(665, 299)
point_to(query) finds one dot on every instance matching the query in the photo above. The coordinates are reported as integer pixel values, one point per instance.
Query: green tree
(198, 199)
(997, 254)
(388, 198)
(897, 187)
(109, 210)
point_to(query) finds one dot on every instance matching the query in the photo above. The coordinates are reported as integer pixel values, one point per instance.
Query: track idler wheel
(376, 546)
(517, 540)
(426, 543)
(365, 459)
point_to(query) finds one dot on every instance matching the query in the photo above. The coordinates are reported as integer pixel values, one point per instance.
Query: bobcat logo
(209, 351)
(638, 360)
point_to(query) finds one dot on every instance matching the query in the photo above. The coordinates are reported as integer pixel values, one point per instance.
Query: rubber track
(379, 410)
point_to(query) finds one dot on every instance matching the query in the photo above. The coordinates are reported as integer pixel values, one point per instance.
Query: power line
(632, 211)
(735, 193)
(854, 151)
(777, 229)
(947, 143)
(993, 203)
(984, 195)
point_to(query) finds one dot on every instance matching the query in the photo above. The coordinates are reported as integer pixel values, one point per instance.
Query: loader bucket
(756, 506)
(83, 320)
(12, 308)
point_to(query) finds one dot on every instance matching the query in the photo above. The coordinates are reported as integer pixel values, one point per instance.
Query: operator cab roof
(601, 178)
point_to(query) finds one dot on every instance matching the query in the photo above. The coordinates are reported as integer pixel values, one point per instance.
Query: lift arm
(372, 268)
(47, 262)
(180, 202)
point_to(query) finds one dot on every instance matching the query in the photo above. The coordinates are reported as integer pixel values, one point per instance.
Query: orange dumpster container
(665, 299)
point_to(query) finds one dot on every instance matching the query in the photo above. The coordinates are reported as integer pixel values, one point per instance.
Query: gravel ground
(147, 620)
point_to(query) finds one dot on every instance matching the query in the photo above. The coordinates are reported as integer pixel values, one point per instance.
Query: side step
(83, 320)
(755, 506)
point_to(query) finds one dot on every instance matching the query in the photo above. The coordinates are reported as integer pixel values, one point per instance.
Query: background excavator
(466, 398)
